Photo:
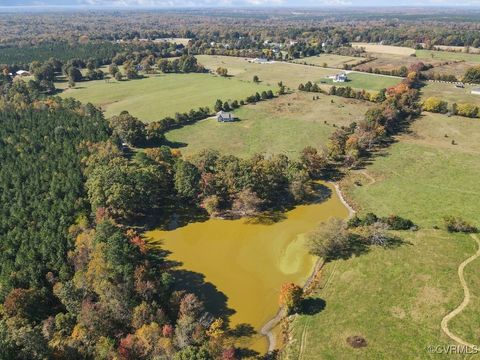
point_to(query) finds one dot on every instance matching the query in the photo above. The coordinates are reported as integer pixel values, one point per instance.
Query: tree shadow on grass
(356, 245)
(312, 306)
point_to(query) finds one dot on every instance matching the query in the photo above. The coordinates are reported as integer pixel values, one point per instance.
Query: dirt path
(369, 177)
(351, 212)
(466, 299)
(267, 329)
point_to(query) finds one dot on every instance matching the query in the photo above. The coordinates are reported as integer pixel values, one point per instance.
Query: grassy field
(423, 176)
(385, 49)
(471, 50)
(450, 93)
(447, 55)
(270, 74)
(284, 125)
(158, 96)
(367, 81)
(395, 298)
(388, 62)
(332, 60)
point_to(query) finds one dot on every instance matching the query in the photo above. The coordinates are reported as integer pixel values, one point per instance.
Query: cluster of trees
(472, 75)
(219, 184)
(348, 92)
(345, 91)
(437, 105)
(393, 222)
(349, 144)
(439, 77)
(184, 64)
(334, 239)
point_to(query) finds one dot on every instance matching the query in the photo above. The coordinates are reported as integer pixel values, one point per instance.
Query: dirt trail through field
(466, 299)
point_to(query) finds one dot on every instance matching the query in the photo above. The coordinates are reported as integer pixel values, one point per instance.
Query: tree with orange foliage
(290, 297)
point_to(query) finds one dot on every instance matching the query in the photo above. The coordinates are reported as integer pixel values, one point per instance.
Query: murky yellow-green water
(248, 261)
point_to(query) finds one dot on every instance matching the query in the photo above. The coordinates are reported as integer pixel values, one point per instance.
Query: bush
(396, 222)
(457, 224)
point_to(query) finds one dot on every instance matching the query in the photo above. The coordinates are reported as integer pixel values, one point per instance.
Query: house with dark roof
(223, 116)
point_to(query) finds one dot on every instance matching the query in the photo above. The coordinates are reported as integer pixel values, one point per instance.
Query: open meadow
(389, 62)
(330, 60)
(384, 49)
(270, 74)
(396, 298)
(155, 97)
(448, 92)
(284, 125)
(447, 55)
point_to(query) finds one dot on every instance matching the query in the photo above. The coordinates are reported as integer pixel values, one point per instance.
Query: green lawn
(283, 125)
(332, 60)
(396, 298)
(158, 96)
(365, 81)
(447, 55)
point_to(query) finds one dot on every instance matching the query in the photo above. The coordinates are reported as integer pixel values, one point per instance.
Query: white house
(476, 91)
(341, 77)
(259, 61)
(23, 73)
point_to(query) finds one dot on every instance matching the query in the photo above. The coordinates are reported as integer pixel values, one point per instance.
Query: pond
(238, 266)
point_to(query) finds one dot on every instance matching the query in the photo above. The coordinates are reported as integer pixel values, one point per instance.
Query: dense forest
(41, 186)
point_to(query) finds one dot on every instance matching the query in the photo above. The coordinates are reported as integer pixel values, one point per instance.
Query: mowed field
(388, 62)
(365, 81)
(270, 74)
(331, 60)
(396, 298)
(385, 49)
(284, 125)
(156, 97)
(447, 55)
(450, 93)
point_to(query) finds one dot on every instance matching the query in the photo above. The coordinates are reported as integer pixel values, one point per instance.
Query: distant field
(332, 60)
(396, 298)
(270, 74)
(450, 93)
(367, 81)
(455, 68)
(283, 125)
(471, 50)
(390, 62)
(182, 41)
(447, 55)
(385, 49)
(158, 96)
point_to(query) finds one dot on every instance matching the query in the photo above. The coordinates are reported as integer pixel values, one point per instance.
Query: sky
(235, 3)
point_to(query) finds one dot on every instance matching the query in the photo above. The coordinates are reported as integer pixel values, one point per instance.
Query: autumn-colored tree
(290, 297)
(314, 162)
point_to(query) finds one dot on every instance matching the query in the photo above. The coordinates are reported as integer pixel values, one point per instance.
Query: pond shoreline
(267, 329)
